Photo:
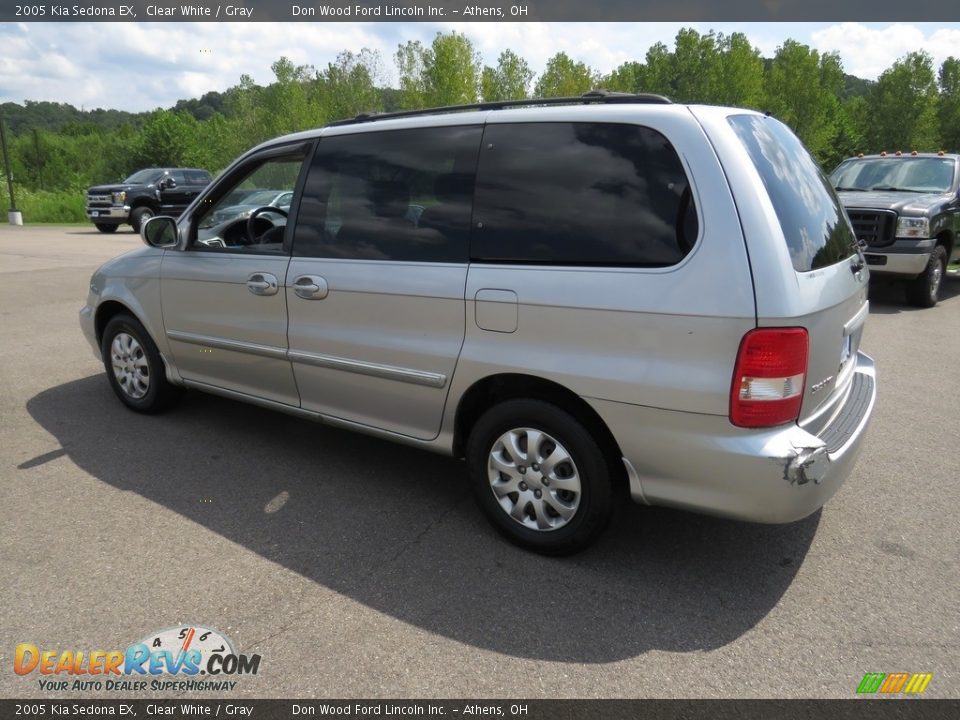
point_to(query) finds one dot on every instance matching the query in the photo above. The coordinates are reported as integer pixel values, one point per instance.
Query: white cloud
(866, 52)
(140, 66)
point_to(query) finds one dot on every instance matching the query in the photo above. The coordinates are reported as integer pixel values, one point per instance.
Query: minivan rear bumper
(705, 464)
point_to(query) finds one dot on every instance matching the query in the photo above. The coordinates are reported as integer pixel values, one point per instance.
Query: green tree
(949, 106)
(657, 74)
(852, 128)
(285, 104)
(510, 80)
(563, 77)
(628, 77)
(903, 106)
(446, 73)
(696, 67)
(166, 139)
(411, 59)
(800, 91)
(452, 70)
(347, 87)
(740, 76)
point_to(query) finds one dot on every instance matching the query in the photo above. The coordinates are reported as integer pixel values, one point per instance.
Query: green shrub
(51, 206)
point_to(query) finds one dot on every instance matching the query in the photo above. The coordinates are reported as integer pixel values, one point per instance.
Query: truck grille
(104, 201)
(876, 227)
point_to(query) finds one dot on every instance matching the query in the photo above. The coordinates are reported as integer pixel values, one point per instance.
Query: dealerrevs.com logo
(183, 658)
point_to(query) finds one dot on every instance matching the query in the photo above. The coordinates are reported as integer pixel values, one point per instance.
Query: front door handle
(261, 283)
(310, 287)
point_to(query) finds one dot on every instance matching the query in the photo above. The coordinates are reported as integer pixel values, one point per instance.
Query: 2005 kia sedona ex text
(579, 296)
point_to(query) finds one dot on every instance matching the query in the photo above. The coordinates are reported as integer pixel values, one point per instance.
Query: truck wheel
(539, 476)
(139, 216)
(106, 227)
(924, 291)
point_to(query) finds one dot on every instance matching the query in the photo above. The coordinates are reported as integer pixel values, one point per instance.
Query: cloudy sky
(141, 66)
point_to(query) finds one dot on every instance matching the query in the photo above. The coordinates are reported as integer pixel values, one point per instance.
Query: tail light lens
(769, 377)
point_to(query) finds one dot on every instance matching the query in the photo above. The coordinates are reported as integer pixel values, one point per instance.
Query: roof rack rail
(594, 96)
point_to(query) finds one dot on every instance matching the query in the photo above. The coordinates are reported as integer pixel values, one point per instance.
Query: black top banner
(482, 11)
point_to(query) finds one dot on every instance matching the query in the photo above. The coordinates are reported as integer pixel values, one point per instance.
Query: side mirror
(160, 232)
(167, 183)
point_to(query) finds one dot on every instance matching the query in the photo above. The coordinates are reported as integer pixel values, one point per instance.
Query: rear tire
(134, 367)
(924, 291)
(106, 227)
(539, 476)
(139, 216)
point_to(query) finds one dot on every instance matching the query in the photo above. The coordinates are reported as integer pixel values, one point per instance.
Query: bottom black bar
(854, 709)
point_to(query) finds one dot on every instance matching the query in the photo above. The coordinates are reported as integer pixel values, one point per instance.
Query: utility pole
(13, 216)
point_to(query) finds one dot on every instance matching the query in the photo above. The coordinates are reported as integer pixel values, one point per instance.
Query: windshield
(911, 174)
(144, 177)
(265, 197)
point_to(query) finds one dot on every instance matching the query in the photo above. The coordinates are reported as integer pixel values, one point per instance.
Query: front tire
(539, 476)
(134, 367)
(106, 227)
(924, 291)
(139, 216)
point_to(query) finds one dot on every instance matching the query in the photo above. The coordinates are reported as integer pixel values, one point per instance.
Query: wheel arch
(494, 389)
(145, 201)
(108, 310)
(947, 239)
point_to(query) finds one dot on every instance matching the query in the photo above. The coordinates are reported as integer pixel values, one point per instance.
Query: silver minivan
(581, 297)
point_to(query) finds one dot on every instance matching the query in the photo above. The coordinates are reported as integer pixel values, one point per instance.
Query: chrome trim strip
(222, 344)
(388, 372)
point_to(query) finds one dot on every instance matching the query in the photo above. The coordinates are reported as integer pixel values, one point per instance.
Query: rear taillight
(769, 377)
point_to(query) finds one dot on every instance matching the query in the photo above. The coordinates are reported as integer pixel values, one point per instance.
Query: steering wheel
(251, 231)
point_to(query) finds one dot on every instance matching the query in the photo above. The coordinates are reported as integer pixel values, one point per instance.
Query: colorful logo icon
(185, 651)
(893, 683)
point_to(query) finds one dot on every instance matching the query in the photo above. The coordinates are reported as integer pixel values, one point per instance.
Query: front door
(175, 194)
(375, 286)
(224, 306)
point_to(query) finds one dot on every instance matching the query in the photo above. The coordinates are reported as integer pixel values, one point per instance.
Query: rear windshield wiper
(848, 189)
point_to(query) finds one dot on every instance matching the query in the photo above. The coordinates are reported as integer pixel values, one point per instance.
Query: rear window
(197, 177)
(581, 194)
(812, 219)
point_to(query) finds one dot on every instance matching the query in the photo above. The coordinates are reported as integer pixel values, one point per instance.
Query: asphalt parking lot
(360, 568)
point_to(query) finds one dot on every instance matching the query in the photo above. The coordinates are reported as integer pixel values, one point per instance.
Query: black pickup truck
(905, 211)
(154, 191)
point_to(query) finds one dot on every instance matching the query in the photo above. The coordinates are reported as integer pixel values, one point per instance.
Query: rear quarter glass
(814, 225)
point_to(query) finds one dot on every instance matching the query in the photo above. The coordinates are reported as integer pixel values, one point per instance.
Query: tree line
(912, 105)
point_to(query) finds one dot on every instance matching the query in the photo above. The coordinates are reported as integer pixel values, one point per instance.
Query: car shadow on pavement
(395, 528)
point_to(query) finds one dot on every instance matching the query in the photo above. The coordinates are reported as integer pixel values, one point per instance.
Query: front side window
(582, 194)
(250, 213)
(393, 195)
(813, 222)
(144, 177)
